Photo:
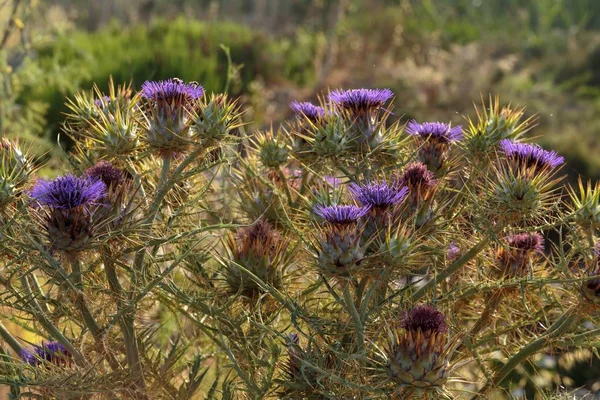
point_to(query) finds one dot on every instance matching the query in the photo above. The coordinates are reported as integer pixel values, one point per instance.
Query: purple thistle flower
(307, 109)
(439, 131)
(107, 173)
(360, 99)
(50, 351)
(28, 357)
(525, 242)
(380, 195)
(530, 154)
(68, 191)
(341, 214)
(172, 91)
(333, 181)
(102, 101)
(425, 318)
(453, 251)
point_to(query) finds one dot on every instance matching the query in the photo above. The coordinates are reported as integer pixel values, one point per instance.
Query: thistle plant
(339, 256)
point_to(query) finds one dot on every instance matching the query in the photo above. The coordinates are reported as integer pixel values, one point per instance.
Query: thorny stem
(80, 302)
(88, 317)
(126, 323)
(559, 327)
(53, 330)
(452, 268)
(10, 340)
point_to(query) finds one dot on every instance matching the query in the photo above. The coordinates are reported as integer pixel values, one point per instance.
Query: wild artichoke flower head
(591, 287)
(360, 101)
(172, 93)
(170, 104)
(53, 352)
(259, 240)
(341, 214)
(68, 192)
(434, 140)
(378, 194)
(359, 111)
(513, 257)
(437, 131)
(69, 222)
(417, 176)
(310, 111)
(531, 155)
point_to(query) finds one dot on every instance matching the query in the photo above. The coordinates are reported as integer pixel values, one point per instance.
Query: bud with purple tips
(169, 105)
(418, 353)
(260, 250)
(70, 203)
(517, 252)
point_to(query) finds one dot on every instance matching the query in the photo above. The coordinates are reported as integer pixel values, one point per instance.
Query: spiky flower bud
(69, 204)
(517, 252)
(586, 204)
(260, 250)
(339, 243)
(434, 139)
(303, 366)
(417, 354)
(360, 107)
(169, 105)
(15, 169)
(106, 126)
(591, 287)
(214, 118)
(51, 352)
(273, 151)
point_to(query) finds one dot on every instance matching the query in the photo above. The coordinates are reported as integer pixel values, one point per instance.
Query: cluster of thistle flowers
(379, 215)
(381, 197)
(104, 212)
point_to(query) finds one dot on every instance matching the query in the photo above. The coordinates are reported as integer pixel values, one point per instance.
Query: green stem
(10, 340)
(358, 323)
